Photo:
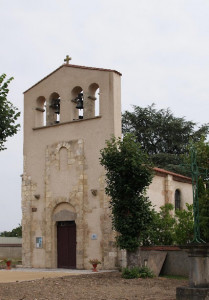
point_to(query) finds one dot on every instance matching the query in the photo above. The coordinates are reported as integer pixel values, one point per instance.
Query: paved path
(26, 274)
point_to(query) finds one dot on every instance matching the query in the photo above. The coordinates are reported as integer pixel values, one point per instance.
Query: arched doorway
(66, 244)
(65, 221)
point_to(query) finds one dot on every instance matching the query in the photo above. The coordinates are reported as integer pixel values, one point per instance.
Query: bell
(57, 111)
(56, 106)
(79, 101)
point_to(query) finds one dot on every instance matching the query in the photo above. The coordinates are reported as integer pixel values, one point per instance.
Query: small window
(177, 200)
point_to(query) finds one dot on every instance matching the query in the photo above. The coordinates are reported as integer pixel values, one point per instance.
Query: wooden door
(66, 245)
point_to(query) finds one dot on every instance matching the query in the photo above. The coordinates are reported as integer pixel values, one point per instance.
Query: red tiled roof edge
(176, 176)
(10, 245)
(160, 248)
(72, 66)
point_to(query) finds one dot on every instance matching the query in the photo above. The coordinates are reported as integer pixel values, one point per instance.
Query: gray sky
(160, 46)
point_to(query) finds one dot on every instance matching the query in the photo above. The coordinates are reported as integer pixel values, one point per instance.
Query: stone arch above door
(64, 212)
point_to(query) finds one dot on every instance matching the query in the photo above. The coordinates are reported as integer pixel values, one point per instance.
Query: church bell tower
(68, 116)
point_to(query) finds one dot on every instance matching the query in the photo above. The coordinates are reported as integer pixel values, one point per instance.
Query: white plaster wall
(185, 193)
(156, 192)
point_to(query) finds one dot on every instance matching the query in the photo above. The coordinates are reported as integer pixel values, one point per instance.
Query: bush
(145, 272)
(137, 272)
(169, 228)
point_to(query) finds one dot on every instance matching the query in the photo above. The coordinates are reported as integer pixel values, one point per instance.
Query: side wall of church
(162, 191)
(63, 179)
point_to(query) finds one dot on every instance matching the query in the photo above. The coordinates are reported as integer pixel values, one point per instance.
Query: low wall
(176, 262)
(10, 248)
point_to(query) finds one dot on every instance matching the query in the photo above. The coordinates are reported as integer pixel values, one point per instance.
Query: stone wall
(10, 248)
(176, 262)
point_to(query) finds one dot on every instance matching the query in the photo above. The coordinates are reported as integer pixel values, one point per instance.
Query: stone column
(198, 288)
(168, 189)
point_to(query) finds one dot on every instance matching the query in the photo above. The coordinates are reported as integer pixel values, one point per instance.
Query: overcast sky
(160, 46)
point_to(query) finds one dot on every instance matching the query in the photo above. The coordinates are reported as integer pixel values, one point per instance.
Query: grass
(175, 277)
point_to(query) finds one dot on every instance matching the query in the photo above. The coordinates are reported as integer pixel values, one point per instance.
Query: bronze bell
(79, 101)
(56, 106)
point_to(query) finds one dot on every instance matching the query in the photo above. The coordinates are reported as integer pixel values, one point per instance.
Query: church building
(68, 115)
(66, 220)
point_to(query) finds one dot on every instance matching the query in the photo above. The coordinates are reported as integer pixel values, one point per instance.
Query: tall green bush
(169, 227)
(128, 173)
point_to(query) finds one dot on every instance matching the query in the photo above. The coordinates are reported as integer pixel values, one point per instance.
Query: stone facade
(63, 179)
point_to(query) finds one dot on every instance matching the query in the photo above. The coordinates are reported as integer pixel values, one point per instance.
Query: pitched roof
(177, 177)
(73, 66)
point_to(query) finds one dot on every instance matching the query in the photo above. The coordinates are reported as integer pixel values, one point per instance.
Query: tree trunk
(134, 258)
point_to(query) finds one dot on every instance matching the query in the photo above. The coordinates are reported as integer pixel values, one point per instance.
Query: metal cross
(195, 175)
(67, 59)
(195, 172)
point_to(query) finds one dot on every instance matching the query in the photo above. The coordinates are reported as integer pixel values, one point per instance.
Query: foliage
(16, 232)
(162, 135)
(168, 228)
(127, 176)
(184, 227)
(5, 260)
(202, 151)
(137, 272)
(161, 231)
(94, 261)
(8, 113)
(129, 273)
(202, 160)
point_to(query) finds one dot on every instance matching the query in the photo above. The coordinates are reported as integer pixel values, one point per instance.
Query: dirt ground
(101, 286)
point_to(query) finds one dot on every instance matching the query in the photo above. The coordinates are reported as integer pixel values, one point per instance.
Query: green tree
(202, 160)
(161, 231)
(169, 228)
(162, 135)
(16, 232)
(184, 227)
(202, 150)
(128, 173)
(8, 113)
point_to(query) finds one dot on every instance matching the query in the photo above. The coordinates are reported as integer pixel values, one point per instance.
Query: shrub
(145, 272)
(137, 272)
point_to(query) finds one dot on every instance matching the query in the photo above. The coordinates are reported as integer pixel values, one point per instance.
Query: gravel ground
(101, 286)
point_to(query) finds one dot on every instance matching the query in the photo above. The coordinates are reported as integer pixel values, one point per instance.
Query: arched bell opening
(53, 109)
(97, 103)
(92, 108)
(40, 112)
(78, 102)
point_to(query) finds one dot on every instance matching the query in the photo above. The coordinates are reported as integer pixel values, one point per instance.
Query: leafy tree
(127, 176)
(202, 151)
(161, 231)
(169, 228)
(8, 113)
(202, 157)
(162, 135)
(16, 232)
(184, 227)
